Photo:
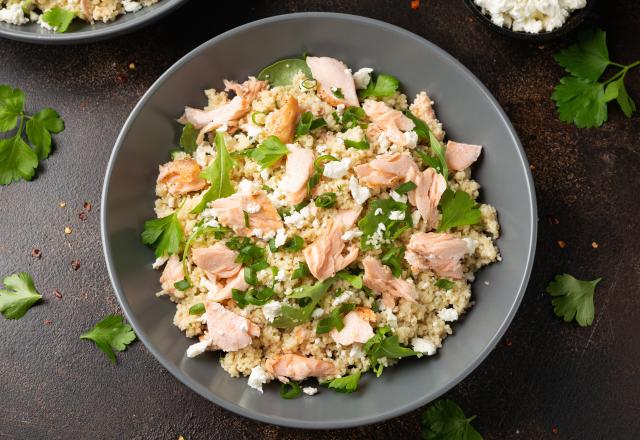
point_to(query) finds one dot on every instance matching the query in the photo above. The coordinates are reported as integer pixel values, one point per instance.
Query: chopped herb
(294, 244)
(573, 298)
(317, 123)
(318, 168)
(59, 18)
(258, 118)
(458, 209)
(444, 284)
(267, 188)
(236, 243)
(260, 265)
(326, 200)
(354, 280)
(256, 296)
(392, 228)
(382, 344)
(445, 420)
(337, 92)
(383, 86)
(301, 271)
(188, 138)
(301, 205)
(304, 125)
(290, 390)
(18, 295)
(290, 316)
(111, 334)
(309, 84)
(352, 117)
(164, 234)
(182, 285)
(358, 145)
(250, 276)
(197, 309)
(406, 187)
(393, 258)
(269, 152)
(334, 320)
(421, 128)
(218, 175)
(250, 254)
(245, 214)
(346, 384)
(281, 72)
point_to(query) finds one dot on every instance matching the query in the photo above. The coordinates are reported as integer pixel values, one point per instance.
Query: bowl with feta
(336, 233)
(531, 20)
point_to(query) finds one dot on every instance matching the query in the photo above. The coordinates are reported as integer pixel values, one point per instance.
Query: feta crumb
(281, 237)
(321, 149)
(252, 207)
(264, 174)
(315, 223)
(201, 153)
(297, 218)
(415, 217)
(471, 244)
(223, 128)
(392, 319)
(268, 235)
(271, 310)
(247, 187)
(340, 108)
(197, 349)
(344, 297)
(212, 223)
(281, 275)
(422, 345)
(351, 234)
(209, 212)
(257, 232)
(397, 197)
(356, 351)
(159, 262)
(383, 143)
(362, 77)
(448, 315)
(43, 24)
(396, 215)
(258, 377)
(378, 211)
(310, 390)
(336, 169)
(359, 193)
(131, 6)
(411, 137)
(210, 287)
(253, 131)
(317, 313)
(14, 15)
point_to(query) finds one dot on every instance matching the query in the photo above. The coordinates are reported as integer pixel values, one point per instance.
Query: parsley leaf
(270, 151)
(290, 316)
(281, 72)
(445, 284)
(290, 390)
(334, 319)
(424, 133)
(444, 420)
(254, 296)
(573, 298)
(617, 90)
(382, 344)
(406, 187)
(11, 106)
(588, 58)
(111, 334)
(188, 138)
(354, 280)
(384, 86)
(369, 224)
(165, 234)
(352, 117)
(458, 209)
(393, 258)
(59, 18)
(346, 384)
(580, 102)
(17, 160)
(38, 130)
(18, 295)
(218, 175)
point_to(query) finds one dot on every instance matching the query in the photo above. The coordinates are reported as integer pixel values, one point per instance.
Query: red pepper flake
(57, 294)
(562, 244)
(508, 342)
(415, 4)
(594, 245)
(47, 322)
(554, 430)
(87, 206)
(82, 216)
(75, 265)
(553, 219)
(36, 253)
(122, 78)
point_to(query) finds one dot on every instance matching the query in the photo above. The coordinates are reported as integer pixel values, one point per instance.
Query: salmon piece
(282, 122)
(347, 217)
(422, 108)
(230, 212)
(181, 176)
(296, 367)
(460, 156)
(356, 327)
(439, 252)
(171, 274)
(386, 170)
(429, 189)
(248, 90)
(332, 74)
(326, 255)
(298, 169)
(378, 277)
(218, 261)
(387, 120)
(228, 331)
(225, 292)
(388, 300)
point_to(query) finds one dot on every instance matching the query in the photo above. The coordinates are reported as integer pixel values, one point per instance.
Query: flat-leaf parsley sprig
(19, 160)
(580, 97)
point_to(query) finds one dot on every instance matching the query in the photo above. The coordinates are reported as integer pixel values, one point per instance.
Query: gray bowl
(82, 32)
(469, 113)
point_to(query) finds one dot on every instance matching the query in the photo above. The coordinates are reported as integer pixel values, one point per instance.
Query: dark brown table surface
(547, 379)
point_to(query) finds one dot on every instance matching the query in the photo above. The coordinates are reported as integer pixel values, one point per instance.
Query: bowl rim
(283, 420)
(112, 29)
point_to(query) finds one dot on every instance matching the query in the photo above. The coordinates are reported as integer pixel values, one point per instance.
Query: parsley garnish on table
(19, 160)
(573, 298)
(580, 97)
(444, 420)
(18, 295)
(111, 334)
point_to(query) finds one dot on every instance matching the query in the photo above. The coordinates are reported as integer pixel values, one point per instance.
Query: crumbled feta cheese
(532, 16)
(209, 213)
(344, 297)
(13, 14)
(355, 134)
(340, 108)
(252, 207)
(34, 16)
(315, 223)
(160, 261)
(212, 223)
(396, 215)
(258, 377)
(321, 148)
(415, 217)
(392, 319)
(337, 169)
(247, 187)
(362, 77)
(383, 143)
(398, 197)
(422, 345)
(378, 211)
(197, 349)
(253, 131)
(411, 137)
(131, 6)
(471, 244)
(359, 193)
(448, 315)
(356, 351)
(201, 153)
(257, 232)
(310, 390)
(210, 287)
(297, 218)
(43, 24)
(223, 128)
(281, 238)
(268, 235)
(351, 234)
(271, 310)
(317, 313)
(264, 173)
(281, 275)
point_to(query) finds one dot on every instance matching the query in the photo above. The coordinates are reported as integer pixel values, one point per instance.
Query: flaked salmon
(298, 169)
(171, 274)
(296, 367)
(460, 156)
(378, 277)
(218, 261)
(357, 327)
(430, 185)
(387, 120)
(386, 170)
(333, 75)
(228, 331)
(262, 215)
(181, 176)
(224, 292)
(282, 122)
(422, 108)
(439, 252)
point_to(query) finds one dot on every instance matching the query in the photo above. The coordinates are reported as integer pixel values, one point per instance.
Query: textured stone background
(546, 380)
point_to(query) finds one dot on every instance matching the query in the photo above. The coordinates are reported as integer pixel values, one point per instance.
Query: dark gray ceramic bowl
(82, 32)
(469, 113)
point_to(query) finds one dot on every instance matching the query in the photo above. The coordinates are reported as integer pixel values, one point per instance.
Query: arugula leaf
(383, 86)
(588, 58)
(188, 138)
(354, 280)
(290, 316)
(580, 102)
(281, 72)
(59, 18)
(382, 345)
(111, 334)
(444, 420)
(424, 133)
(165, 234)
(573, 298)
(393, 258)
(301, 271)
(421, 128)
(444, 284)
(392, 228)
(334, 319)
(17, 160)
(218, 175)
(18, 295)
(254, 296)
(458, 209)
(346, 384)
(290, 390)
(270, 151)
